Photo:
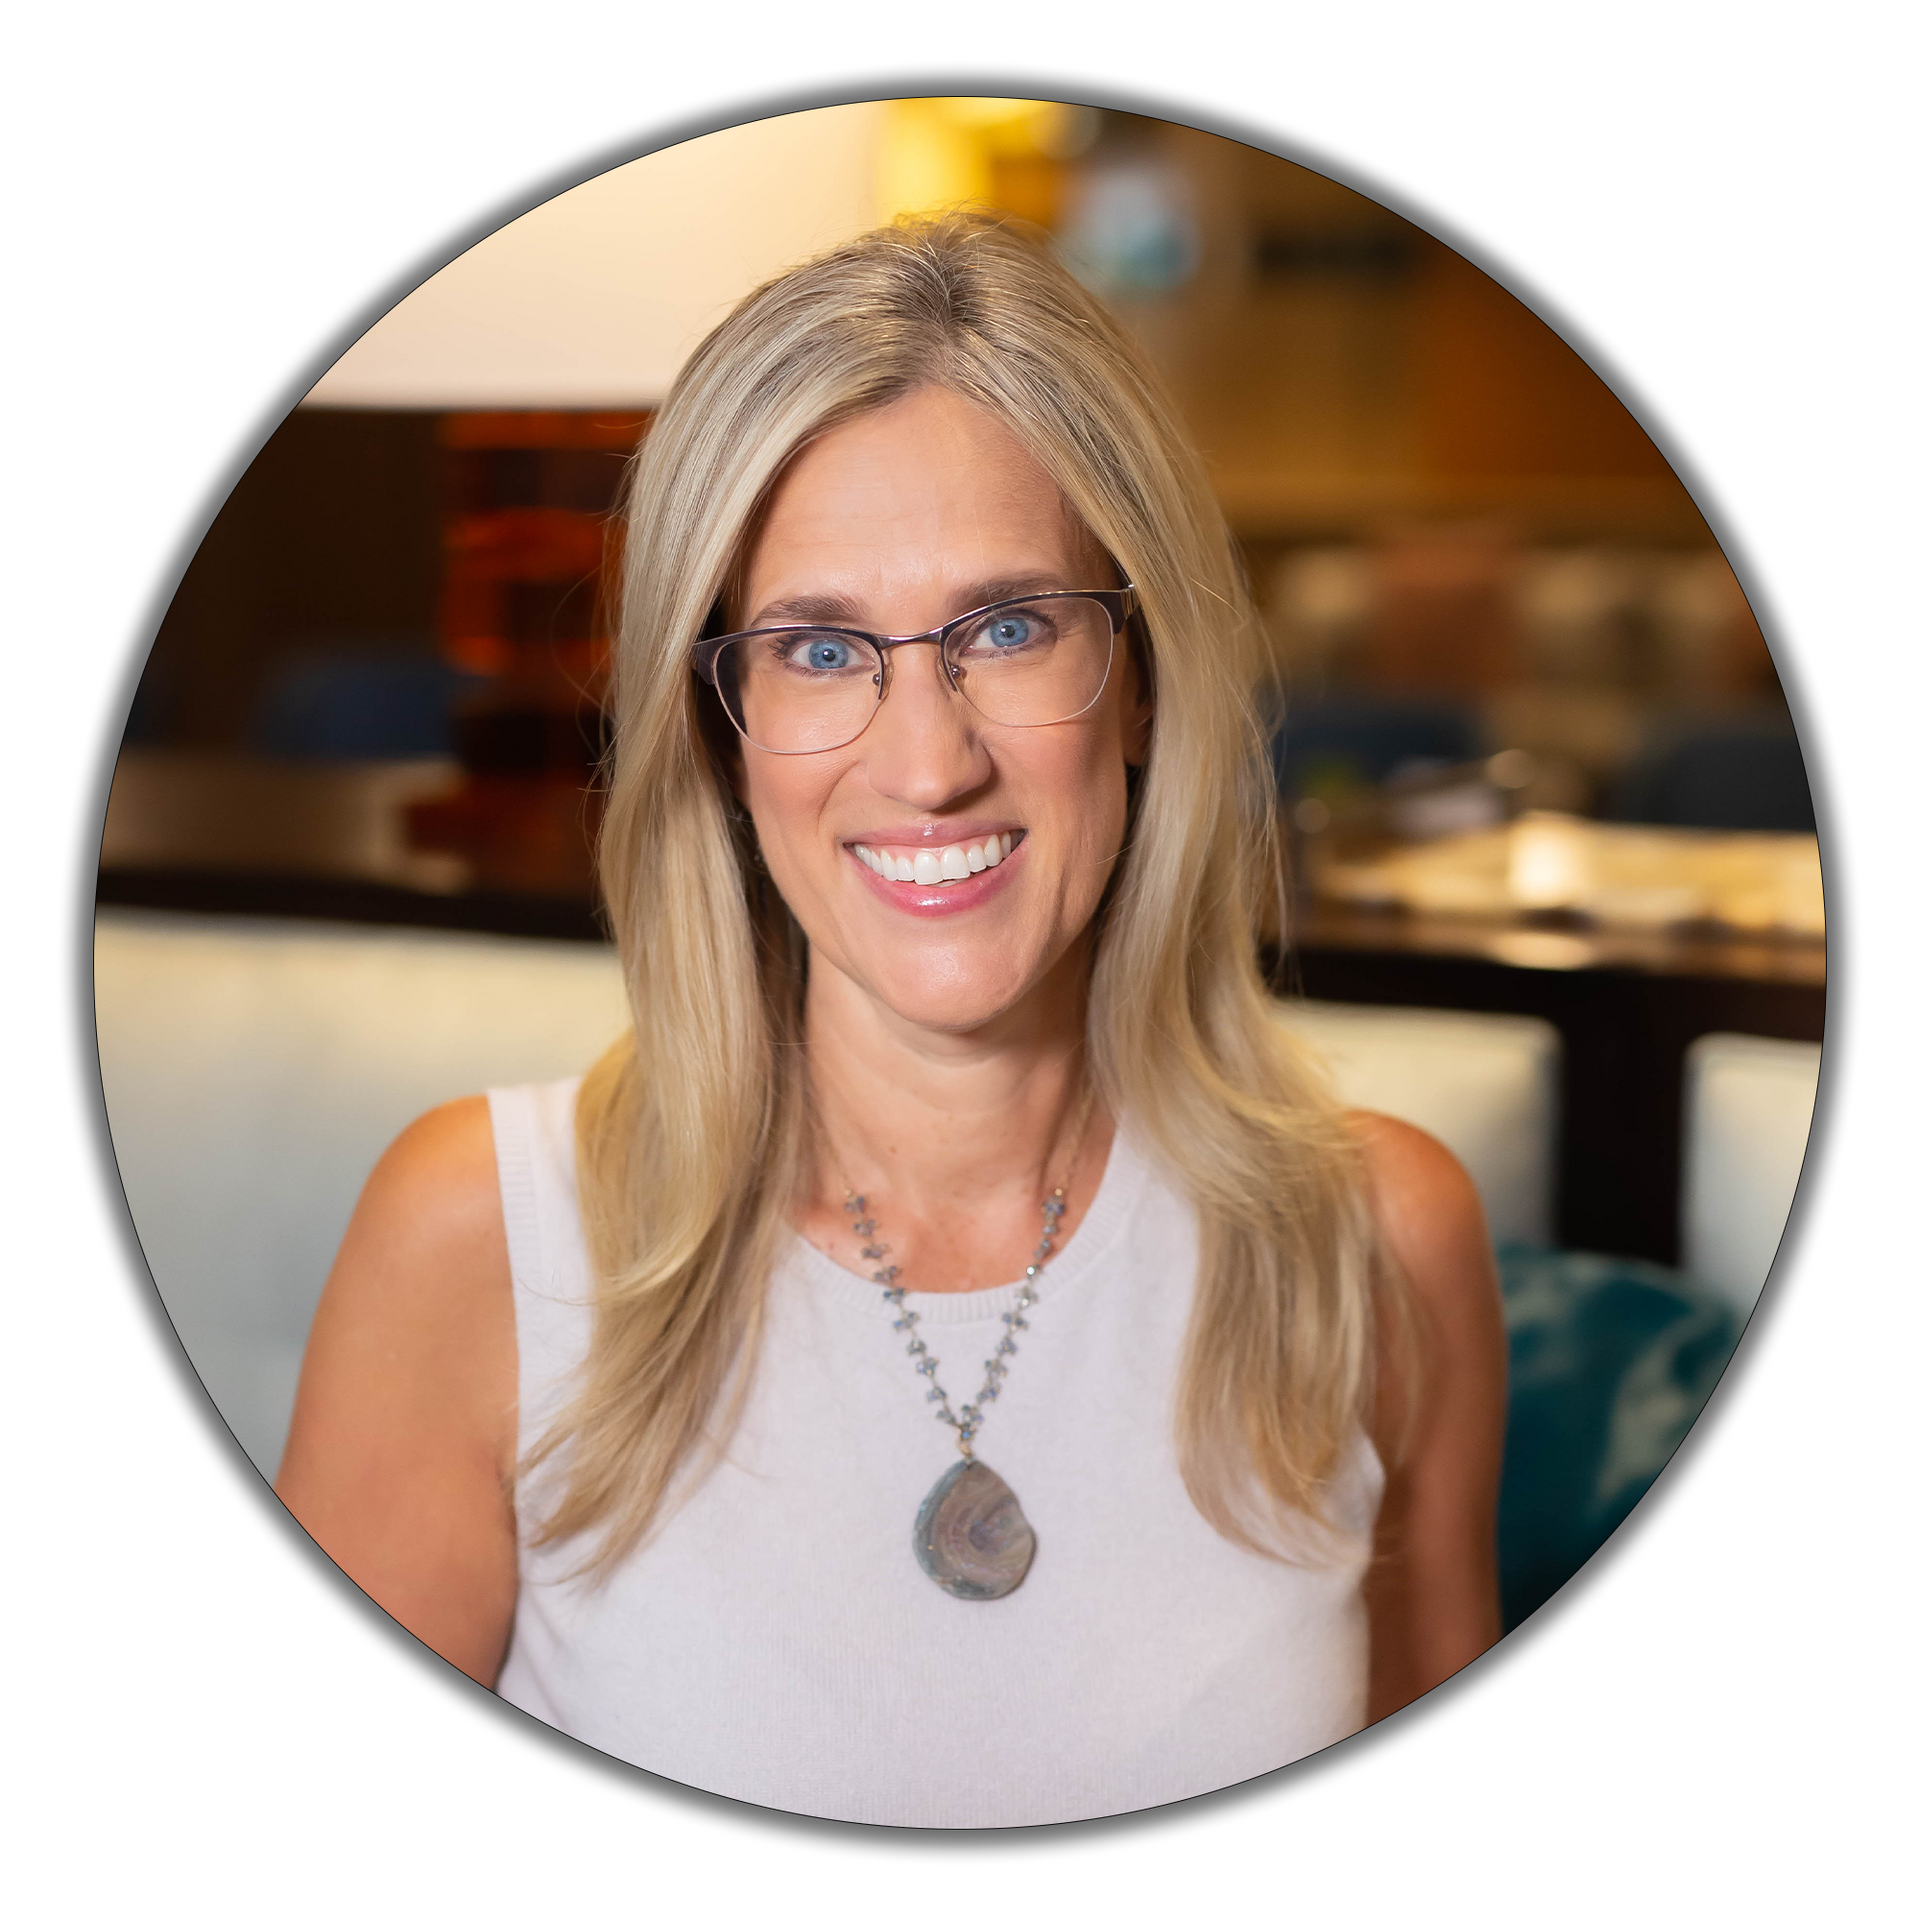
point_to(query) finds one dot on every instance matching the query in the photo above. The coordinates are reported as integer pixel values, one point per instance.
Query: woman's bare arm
(1433, 1600)
(400, 1457)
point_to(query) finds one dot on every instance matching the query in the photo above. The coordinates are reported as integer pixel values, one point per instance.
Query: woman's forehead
(931, 457)
(929, 487)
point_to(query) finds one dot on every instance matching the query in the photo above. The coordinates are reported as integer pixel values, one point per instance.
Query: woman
(939, 833)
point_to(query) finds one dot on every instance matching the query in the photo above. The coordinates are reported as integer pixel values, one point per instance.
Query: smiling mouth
(931, 868)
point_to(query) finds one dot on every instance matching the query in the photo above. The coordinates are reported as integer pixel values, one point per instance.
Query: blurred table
(1562, 943)
(328, 843)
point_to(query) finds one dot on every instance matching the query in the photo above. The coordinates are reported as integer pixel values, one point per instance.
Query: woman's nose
(922, 747)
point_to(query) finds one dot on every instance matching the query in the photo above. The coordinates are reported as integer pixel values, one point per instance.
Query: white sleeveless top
(775, 1639)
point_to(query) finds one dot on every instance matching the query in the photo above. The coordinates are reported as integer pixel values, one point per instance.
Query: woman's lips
(986, 864)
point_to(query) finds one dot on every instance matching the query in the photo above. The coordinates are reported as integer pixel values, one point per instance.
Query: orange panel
(525, 543)
(593, 432)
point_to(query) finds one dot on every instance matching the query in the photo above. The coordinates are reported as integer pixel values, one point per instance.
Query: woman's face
(894, 523)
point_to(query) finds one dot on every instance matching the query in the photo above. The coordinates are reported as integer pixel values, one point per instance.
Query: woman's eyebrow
(830, 609)
(983, 593)
(833, 609)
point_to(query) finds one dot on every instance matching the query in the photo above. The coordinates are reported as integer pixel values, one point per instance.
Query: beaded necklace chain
(970, 1536)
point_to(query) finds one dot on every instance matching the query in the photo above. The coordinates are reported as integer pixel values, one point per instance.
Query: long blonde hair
(690, 1130)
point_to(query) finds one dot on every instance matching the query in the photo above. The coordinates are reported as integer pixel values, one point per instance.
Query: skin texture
(947, 1074)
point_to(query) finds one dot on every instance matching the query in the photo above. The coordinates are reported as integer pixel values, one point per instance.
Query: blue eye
(1009, 630)
(828, 655)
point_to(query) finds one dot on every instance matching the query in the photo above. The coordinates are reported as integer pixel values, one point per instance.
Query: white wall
(594, 298)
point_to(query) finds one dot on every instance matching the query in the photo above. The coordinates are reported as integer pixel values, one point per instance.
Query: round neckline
(1113, 1202)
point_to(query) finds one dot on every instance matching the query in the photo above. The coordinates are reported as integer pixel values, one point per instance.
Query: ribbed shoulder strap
(546, 1247)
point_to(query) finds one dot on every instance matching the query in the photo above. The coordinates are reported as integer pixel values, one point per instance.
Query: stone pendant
(971, 1537)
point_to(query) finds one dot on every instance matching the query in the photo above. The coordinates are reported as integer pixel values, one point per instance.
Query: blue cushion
(1346, 739)
(325, 706)
(1718, 773)
(1610, 1361)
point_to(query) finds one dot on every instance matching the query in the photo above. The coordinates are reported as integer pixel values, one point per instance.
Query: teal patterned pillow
(1610, 1362)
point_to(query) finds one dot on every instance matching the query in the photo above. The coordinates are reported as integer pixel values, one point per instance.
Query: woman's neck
(961, 1135)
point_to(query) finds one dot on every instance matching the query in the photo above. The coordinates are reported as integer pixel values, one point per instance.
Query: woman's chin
(950, 1004)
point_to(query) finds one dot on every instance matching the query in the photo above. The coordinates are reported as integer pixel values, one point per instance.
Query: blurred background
(1537, 763)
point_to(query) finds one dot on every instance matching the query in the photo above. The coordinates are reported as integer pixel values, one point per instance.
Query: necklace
(971, 1537)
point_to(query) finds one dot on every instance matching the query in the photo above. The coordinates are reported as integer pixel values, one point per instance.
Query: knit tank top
(775, 1639)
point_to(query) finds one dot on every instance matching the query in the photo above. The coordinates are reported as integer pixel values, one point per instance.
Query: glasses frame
(1121, 604)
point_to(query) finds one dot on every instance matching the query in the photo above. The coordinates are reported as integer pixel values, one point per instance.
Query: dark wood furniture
(1626, 1005)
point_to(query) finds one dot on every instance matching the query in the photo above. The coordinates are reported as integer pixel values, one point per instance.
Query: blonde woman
(953, 1364)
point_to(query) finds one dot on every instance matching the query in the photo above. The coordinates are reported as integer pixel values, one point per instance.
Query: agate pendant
(971, 1538)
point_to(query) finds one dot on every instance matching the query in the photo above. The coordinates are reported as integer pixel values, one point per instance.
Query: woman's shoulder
(1427, 1207)
(1409, 1162)
(425, 1253)
(472, 1186)
(438, 1177)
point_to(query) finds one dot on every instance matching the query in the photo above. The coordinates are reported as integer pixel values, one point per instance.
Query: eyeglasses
(1019, 663)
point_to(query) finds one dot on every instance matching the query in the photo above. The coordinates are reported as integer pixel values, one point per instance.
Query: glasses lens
(799, 689)
(1031, 663)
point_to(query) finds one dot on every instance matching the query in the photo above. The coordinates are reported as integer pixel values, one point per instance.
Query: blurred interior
(1535, 757)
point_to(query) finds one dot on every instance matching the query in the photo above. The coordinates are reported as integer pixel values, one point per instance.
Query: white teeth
(930, 869)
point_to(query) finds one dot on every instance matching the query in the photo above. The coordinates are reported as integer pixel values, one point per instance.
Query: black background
(223, 1673)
